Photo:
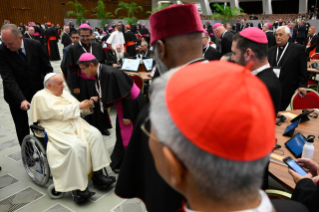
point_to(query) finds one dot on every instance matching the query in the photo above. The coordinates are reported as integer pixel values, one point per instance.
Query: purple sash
(36, 34)
(126, 131)
(82, 75)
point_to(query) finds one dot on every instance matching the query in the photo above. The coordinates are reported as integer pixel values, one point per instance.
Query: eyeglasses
(75, 37)
(204, 37)
(147, 133)
(85, 36)
(84, 68)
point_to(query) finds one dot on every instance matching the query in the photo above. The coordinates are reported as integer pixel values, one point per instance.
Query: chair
(138, 80)
(303, 103)
(315, 56)
(313, 84)
(277, 194)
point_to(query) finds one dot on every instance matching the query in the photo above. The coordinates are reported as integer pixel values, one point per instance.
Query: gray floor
(19, 193)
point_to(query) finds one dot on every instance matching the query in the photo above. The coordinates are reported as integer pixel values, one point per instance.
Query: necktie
(22, 56)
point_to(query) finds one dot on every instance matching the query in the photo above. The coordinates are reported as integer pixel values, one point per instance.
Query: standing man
(225, 36)
(289, 62)
(267, 28)
(66, 38)
(173, 49)
(238, 26)
(52, 43)
(301, 32)
(130, 39)
(293, 32)
(209, 52)
(243, 25)
(116, 38)
(307, 27)
(29, 33)
(250, 24)
(261, 24)
(312, 42)
(23, 66)
(83, 86)
(39, 33)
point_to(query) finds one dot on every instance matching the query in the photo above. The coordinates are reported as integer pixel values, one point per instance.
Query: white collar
(98, 71)
(264, 206)
(269, 31)
(260, 69)
(22, 45)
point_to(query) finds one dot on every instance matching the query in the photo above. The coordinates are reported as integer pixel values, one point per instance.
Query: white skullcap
(48, 76)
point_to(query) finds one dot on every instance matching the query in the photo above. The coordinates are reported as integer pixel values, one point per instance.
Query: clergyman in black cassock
(271, 38)
(52, 43)
(85, 84)
(22, 76)
(144, 31)
(66, 38)
(210, 53)
(130, 39)
(39, 33)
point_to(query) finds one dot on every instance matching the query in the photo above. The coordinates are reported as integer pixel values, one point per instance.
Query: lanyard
(85, 49)
(29, 35)
(257, 71)
(278, 61)
(98, 87)
(309, 41)
(206, 49)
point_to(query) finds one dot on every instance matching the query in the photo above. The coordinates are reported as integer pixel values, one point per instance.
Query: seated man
(75, 148)
(119, 55)
(217, 164)
(144, 51)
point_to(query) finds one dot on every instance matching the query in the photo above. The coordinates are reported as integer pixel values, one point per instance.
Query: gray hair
(144, 42)
(14, 29)
(216, 178)
(287, 31)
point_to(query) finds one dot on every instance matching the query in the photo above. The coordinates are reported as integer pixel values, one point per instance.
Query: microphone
(302, 93)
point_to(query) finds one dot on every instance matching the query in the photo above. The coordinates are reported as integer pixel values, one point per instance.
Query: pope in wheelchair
(75, 148)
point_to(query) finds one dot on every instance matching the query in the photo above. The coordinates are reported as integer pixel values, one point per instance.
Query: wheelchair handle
(36, 127)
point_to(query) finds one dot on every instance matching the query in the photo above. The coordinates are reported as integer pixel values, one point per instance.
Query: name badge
(277, 71)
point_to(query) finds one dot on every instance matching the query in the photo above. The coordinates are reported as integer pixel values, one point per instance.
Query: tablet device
(302, 116)
(295, 144)
(130, 64)
(289, 131)
(148, 63)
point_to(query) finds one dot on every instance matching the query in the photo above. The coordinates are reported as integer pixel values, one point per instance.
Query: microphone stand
(302, 93)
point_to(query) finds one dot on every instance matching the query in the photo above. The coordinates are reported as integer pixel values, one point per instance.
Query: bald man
(312, 42)
(225, 36)
(29, 33)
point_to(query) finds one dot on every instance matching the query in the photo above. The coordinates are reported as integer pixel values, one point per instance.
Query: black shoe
(83, 194)
(101, 181)
(106, 132)
(116, 171)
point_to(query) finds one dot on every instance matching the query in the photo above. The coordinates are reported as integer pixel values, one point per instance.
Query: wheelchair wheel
(55, 194)
(34, 160)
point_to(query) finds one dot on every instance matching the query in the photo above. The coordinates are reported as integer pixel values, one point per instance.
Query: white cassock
(115, 39)
(75, 148)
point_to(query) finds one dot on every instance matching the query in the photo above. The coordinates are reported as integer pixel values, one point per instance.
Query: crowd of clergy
(179, 146)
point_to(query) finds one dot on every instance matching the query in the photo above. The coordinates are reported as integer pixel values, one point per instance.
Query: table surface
(141, 71)
(311, 69)
(280, 171)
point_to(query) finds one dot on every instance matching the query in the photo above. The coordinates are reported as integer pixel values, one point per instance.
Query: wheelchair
(34, 157)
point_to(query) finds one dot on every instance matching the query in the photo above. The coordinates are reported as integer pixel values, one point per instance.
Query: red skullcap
(185, 17)
(237, 125)
(87, 57)
(128, 26)
(254, 34)
(49, 24)
(312, 27)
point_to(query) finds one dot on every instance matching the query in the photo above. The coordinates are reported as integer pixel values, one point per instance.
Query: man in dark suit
(312, 42)
(267, 28)
(238, 26)
(292, 61)
(144, 51)
(261, 24)
(207, 25)
(244, 25)
(250, 24)
(225, 36)
(209, 52)
(301, 32)
(23, 65)
(30, 33)
(293, 32)
(307, 27)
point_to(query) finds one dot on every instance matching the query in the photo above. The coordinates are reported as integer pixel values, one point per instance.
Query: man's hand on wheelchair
(95, 98)
(86, 104)
(76, 91)
(24, 105)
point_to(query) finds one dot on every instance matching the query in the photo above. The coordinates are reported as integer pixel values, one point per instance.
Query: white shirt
(264, 206)
(115, 39)
(258, 70)
(23, 49)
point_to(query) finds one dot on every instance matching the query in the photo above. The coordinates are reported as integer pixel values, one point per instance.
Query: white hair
(216, 178)
(287, 30)
(144, 42)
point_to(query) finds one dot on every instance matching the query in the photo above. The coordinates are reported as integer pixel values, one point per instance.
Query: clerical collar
(205, 49)
(264, 206)
(260, 69)
(282, 47)
(269, 31)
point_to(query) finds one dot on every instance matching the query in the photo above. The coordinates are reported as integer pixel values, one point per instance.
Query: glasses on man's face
(204, 37)
(147, 125)
(75, 37)
(83, 69)
(85, 36)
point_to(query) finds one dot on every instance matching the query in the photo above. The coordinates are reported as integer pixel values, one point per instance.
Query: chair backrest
(303, 103)
(277, 194)
(138, 80)
(314, 56)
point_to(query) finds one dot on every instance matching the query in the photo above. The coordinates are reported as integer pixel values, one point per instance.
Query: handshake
(86, 104)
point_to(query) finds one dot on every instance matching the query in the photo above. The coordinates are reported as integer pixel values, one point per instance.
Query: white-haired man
(213, 175)
(30, 33)
(75, 148)
(267, 28)
(119, 55)
(290, 65)
(66, 37)
(145, 52)
(225, 36)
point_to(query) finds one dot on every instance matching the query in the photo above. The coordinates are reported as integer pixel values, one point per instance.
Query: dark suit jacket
(238, 27)
(293, 72)
(226, 42)
(20, 80)
(271, 39)
(307, 193)
(313, 44)
(294, 35)
(211, 54)
(273, 84)
(149, 54)
(250, 24)
(301, 31)
(260, 26)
